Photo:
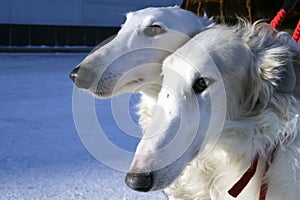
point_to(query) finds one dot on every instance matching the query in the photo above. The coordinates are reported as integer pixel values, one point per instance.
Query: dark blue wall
(59, 23)
(73, 12)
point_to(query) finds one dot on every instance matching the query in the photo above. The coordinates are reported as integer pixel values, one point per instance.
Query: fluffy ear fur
(273, 70)
(274, 66)
(272, 74)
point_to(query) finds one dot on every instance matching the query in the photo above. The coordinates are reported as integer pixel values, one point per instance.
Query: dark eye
(200, 85)
(153, 30)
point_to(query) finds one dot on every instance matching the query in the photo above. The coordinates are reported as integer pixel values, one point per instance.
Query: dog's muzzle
(141, 182)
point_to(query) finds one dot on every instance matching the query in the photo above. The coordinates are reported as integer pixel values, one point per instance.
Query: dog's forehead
(191, 58)
(162, 16)
(139, 19)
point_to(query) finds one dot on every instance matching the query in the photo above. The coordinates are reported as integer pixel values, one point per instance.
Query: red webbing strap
(264, 186)
(238, 187)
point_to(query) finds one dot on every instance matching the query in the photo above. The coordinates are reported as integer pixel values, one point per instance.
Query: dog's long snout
(141, 182)
(83, 77)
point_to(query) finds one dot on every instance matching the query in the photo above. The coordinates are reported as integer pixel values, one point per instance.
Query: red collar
(238, 187)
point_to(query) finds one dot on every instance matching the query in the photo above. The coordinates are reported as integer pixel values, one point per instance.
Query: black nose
(141, 182)
(74, 74)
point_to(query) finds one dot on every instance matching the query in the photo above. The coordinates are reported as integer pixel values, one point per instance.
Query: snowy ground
(41, 155)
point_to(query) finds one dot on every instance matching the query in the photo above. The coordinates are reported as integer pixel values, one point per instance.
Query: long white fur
(258, 119)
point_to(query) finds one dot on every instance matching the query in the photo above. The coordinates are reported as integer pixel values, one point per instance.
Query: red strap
(296, 34)
(264, 185)
(238, 187)
(263, 191)
(278, 19)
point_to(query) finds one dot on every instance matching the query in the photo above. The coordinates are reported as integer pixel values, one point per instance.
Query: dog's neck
(216, 170)
(260, 133)
(269, 133)
(147, 102)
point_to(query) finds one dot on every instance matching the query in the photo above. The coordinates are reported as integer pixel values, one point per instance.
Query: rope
(278, 19)
(296, 34)
(281, 15)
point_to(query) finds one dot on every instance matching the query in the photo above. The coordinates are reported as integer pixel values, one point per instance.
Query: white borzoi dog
(131, 62)
(226, 123)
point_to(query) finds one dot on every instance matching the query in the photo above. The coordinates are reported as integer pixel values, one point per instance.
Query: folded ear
(288, 79)
(281, 68)
(290, 82)
(296, 91)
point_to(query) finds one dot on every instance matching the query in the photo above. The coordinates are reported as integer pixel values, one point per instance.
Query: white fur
(249, 127)
(248, 61)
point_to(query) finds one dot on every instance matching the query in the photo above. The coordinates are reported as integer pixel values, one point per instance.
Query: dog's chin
(159, 185)
(100, 94)
(105, 94)
(163, 180)
(102, 91)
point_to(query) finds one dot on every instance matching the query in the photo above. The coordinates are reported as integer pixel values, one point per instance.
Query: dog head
(131, 61)
(222, 74)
